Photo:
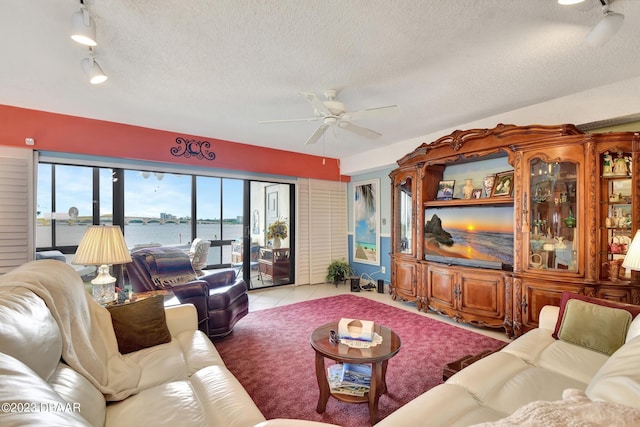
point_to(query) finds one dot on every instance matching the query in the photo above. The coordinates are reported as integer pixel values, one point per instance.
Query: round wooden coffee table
(377, 356)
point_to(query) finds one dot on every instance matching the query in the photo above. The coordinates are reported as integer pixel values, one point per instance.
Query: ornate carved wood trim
(500, 137)
(591, 269)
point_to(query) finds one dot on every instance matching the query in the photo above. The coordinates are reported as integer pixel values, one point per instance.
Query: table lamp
(102, 245)
(632, 259)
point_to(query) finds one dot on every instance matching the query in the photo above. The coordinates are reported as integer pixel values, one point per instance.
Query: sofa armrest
(195, 289)
(548, 317)
(219, 278)
(196, 293)
(283, 422)
(181, 318)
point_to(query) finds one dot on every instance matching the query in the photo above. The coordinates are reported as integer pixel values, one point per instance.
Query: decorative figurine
(607, 161)
(620, 165)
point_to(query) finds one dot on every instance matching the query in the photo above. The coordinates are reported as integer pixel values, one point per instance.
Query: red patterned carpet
(269, 352)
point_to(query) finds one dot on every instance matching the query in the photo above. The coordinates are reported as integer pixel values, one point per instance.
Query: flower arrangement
(277, 229)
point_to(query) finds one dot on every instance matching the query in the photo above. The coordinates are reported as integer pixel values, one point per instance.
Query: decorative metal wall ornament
(192, 148)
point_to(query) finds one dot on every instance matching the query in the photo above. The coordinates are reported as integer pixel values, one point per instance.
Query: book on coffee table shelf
(349, 378)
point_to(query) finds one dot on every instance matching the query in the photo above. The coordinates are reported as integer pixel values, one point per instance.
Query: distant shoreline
(433, 247)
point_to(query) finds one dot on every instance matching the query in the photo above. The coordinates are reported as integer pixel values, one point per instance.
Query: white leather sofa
(183, 382)
(536, 380)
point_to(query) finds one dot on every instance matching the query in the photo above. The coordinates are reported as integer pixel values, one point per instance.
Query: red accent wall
(70, 134)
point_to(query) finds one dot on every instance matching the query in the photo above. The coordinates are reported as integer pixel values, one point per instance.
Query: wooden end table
(377, 356)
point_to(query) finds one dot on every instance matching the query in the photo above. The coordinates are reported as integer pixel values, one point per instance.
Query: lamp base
(104, 286)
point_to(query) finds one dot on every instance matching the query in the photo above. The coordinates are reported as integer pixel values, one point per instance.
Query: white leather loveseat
(60, 364)
(538, 380)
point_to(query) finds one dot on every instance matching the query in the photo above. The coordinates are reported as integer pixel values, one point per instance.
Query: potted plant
(338, 270)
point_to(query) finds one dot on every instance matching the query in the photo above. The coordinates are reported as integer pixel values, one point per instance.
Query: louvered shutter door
(16, 207)
(303, 247)
(322, 227)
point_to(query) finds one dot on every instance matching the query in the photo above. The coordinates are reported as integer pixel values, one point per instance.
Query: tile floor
(260, 299)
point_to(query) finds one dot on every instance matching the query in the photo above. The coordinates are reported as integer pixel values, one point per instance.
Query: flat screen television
(471, 236)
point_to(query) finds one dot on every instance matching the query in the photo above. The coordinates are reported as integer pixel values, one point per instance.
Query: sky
(483, 219)
(147, 197)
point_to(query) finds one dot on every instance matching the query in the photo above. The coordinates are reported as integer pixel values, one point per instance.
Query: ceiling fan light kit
(569, 2)
(334, 113)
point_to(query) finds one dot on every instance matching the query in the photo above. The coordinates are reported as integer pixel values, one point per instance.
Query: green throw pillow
(600, 328)
(140, 324)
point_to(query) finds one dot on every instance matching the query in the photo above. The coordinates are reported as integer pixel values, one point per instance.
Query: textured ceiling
(216, 68)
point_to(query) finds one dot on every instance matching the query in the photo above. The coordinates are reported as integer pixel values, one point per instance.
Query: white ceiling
(214, 68)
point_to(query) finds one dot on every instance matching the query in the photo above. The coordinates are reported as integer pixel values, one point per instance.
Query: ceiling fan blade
(367, 133)
(317, 134)
(309, 119)
(317, 104)
(374, 113)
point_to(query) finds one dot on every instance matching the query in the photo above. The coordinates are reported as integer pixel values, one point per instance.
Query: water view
(169, 234)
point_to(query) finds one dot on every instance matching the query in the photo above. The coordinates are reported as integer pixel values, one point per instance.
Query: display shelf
(487, 201)
(616, 213)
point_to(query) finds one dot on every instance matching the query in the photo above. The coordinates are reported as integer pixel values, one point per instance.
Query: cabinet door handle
(524, 304)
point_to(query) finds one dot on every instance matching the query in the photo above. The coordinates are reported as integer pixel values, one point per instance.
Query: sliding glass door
(268, 239)
(248, 224)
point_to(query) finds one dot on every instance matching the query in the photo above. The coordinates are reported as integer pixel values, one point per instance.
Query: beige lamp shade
(632, 259)
(102, 245)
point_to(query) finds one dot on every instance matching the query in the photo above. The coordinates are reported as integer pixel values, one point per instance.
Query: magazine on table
(349, 378)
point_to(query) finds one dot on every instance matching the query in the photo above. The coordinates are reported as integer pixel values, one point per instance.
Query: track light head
(93, 71)
(604, 30)
(83, 30)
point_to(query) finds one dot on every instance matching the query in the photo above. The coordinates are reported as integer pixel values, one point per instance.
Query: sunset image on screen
(471, 233)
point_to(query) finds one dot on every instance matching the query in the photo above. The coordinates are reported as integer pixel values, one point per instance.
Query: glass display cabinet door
(553, 242)
(616, 213)
(404, 232)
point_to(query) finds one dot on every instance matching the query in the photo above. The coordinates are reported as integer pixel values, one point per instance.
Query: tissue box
(356, 329)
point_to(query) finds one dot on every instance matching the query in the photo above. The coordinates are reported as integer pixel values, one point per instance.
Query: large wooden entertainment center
(575, 201)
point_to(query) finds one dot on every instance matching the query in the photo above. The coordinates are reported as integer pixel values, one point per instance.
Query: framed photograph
(366, 222)
(477, 193)
(503, 185)
(445, 190)
(272, 204)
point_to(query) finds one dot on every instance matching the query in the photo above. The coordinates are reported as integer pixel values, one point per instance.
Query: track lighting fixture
(608, 26)
(93, 70)
(83, 29)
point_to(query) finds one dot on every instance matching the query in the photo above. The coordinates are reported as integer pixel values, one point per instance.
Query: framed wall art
(366, 218)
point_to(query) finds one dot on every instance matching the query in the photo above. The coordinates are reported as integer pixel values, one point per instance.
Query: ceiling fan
(333, 113)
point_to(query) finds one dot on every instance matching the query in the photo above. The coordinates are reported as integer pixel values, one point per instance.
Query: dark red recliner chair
(219, 297)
